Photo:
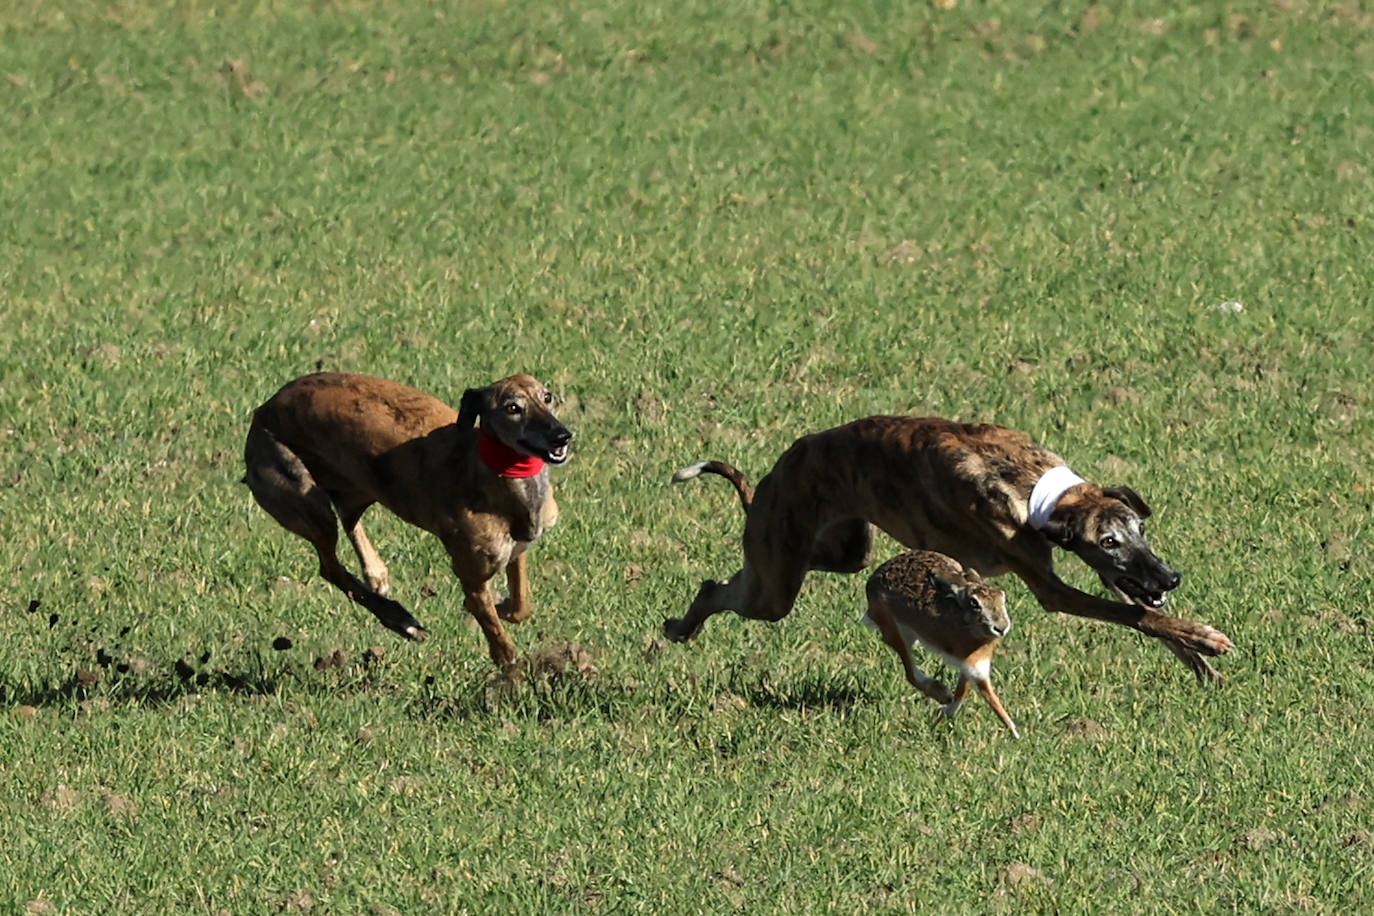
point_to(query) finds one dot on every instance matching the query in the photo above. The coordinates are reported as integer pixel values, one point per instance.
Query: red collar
(505, 461)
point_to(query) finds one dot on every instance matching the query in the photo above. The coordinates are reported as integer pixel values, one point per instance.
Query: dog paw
(1207, 640)
(676, 629)
(1201, 668)
(415, 633)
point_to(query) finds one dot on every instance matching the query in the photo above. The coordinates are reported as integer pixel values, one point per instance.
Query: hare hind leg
(880, 618)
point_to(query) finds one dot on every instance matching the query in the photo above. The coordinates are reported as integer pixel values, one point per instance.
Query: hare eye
(548, 398)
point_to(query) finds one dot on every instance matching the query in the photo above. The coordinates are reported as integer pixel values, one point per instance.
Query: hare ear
(944, 589)
(470, 407)
(1129, 497)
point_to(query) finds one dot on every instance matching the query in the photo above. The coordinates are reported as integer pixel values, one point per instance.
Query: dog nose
(1172, 579)
(560, 437)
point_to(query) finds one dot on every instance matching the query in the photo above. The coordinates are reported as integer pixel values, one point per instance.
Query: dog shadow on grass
(812, 691)
(88, 663)
(557, 680)
(139, 683)
(85, 666)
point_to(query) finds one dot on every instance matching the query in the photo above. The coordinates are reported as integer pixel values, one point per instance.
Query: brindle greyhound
(330, 443)
(989, 497)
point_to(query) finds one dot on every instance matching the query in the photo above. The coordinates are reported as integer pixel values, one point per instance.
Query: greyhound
(987, 496)
(328, 444)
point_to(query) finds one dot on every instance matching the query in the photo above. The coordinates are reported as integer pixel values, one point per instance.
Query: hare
(927, 596)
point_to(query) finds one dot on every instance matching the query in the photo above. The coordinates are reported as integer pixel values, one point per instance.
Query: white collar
(1045, 495)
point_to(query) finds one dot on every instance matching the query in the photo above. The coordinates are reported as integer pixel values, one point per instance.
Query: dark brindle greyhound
(989, 497)
(329, 443)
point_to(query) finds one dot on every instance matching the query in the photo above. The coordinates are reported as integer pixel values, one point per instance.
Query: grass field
(711, 228)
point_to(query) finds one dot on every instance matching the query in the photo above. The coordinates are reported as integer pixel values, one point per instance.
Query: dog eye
(514, 409)
(1109, 543)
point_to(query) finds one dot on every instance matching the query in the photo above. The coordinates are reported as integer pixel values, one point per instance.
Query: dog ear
(470, 407)
(1129, 497)
(1059, 532)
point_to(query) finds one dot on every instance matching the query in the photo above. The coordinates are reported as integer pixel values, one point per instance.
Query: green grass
(711, 227)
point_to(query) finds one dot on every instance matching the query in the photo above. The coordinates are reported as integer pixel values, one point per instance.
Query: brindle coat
(960, 489)
(331, 443)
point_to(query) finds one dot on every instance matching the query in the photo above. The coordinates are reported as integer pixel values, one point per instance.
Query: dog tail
(728, 471)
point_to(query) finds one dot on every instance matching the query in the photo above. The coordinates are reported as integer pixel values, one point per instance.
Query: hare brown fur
(927, 597)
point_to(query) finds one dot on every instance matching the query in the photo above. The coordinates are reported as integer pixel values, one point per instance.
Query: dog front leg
(516, 606)
(477, 599)
(1188, 640)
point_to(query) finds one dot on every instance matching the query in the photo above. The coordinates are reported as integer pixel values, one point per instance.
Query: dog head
(1105, 526)
(518, 412)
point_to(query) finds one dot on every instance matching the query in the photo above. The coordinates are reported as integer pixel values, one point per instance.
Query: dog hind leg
(284, 487)
(375, 573)
(766, 587)
(748, 593)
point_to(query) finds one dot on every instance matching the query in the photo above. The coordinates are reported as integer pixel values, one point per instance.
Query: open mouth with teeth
(1136, 593)
(556, 455)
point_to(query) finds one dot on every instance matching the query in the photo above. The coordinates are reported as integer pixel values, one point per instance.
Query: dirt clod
(61, 798)
(1020, 876)
(1359, 838)
(557, 661)
(334, 659)
(118, 806)
(1085, 728)
(1256, 838)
